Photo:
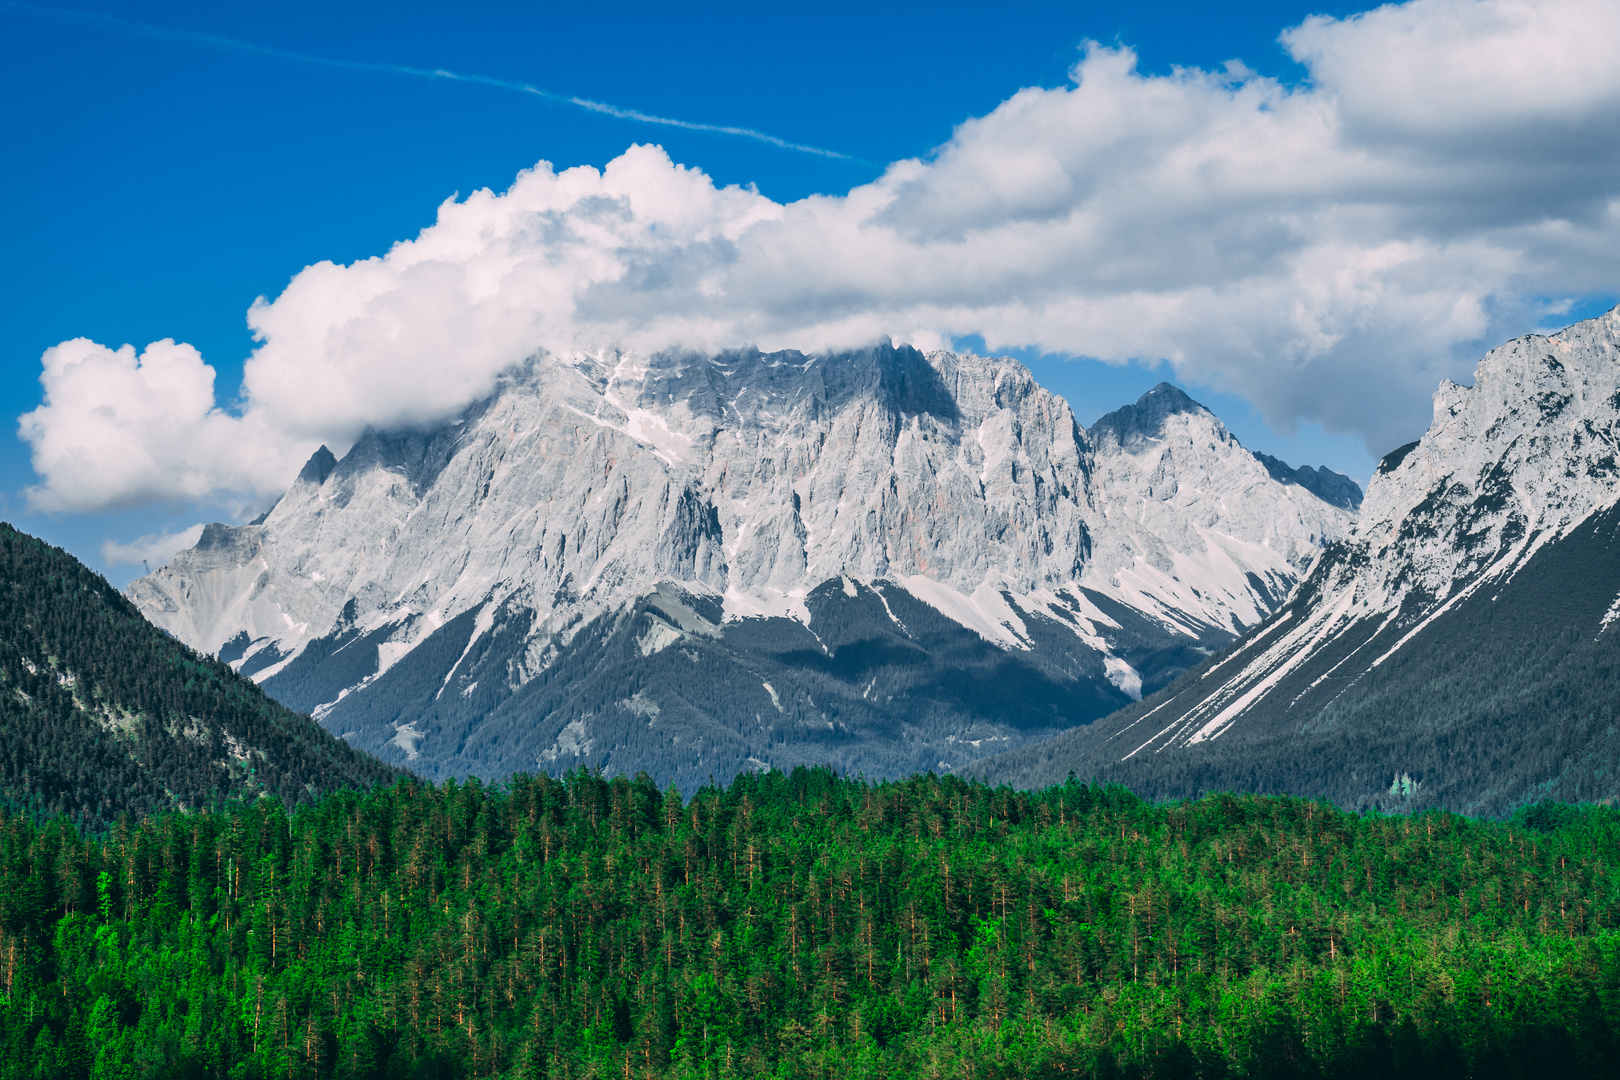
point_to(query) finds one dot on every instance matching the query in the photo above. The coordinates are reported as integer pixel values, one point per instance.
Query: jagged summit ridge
(746, 479)
(1513, 461)
(733, 488)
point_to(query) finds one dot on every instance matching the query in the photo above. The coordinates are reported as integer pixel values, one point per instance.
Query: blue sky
(161, 179)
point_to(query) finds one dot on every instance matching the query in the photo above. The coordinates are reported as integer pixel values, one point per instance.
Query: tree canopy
(808, 925)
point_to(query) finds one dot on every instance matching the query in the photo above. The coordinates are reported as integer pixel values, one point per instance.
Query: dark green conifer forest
(806, 925)
(102, 713)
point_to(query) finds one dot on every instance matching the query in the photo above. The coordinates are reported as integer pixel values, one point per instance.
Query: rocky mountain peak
(1524, 453)
(1128, 425)
(1459, 636)
(317, 468)
(791, 497)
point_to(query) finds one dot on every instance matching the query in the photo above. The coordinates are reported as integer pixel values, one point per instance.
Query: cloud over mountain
(1330, 251)
(151, 548)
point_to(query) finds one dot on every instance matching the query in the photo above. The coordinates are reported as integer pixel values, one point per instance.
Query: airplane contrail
(103, 21)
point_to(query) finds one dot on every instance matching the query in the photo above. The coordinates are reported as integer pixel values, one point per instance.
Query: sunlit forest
(808, 925)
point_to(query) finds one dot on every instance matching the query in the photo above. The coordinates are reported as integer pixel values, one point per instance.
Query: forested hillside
(101, 713)
(805, 925)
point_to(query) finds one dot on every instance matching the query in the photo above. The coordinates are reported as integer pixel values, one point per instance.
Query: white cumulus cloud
(1450, 170)
(119, 430)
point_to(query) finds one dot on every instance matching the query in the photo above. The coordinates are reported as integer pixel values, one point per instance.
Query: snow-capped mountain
(1458, 647)
(882, 560)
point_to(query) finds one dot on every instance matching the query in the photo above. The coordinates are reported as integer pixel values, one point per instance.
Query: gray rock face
(1456, 638)
(1193, 528)
(868, 527)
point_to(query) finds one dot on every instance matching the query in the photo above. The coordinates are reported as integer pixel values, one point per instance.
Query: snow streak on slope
(1509, 468)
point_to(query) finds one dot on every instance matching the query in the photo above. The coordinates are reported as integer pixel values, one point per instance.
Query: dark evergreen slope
(102, 713)
(1508, 696)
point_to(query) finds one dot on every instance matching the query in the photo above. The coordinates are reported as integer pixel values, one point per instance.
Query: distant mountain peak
(318, 467)
(1146, 417)
(1331, 487)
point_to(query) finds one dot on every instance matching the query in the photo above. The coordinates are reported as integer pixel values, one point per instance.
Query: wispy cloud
(152, 548)
(101, 21)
